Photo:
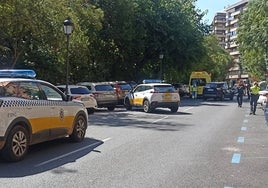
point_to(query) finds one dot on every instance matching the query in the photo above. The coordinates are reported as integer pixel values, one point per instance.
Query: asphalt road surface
(205, 144)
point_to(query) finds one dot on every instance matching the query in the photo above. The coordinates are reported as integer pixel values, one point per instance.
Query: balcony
(236, 13)
(233, 37)
(219, 21)
(234, 53)
(233, 29)
(233, 21)
(219, 27)
(233, 45)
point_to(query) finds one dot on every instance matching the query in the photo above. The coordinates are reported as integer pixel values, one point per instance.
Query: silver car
(104, 94)
(82, 94)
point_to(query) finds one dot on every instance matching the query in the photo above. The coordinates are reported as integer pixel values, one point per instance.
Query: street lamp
(161, 56)
(68, 28)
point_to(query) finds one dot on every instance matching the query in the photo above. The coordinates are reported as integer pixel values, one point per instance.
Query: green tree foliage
(216, 60)
(253, 37)
(32, 35)
(135, 32)
(112, 40)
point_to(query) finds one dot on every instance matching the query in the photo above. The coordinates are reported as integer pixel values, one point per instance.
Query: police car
(34, 111)
(153, 95)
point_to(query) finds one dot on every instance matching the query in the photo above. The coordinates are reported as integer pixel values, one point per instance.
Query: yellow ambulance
(199, 78)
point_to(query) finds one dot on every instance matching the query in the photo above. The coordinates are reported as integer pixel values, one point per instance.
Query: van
(200, 79)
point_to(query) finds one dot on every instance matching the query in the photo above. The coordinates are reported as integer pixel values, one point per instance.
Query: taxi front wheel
(174, 109)
(146, 106)
(16, 144)
(79, 129)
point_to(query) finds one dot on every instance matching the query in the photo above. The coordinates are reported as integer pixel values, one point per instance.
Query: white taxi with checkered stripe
(153, 95)
(34, 111)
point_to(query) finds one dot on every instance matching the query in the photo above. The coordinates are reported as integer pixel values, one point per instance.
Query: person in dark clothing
(240, 93)
(248, 89)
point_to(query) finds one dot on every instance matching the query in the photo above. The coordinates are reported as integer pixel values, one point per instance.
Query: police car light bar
(148, 81)
(17, 73)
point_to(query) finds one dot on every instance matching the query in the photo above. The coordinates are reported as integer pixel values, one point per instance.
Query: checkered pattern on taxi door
(25, 103)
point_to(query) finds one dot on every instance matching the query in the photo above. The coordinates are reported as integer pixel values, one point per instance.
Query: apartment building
(227, 22)
(218, 27)
(232, 23)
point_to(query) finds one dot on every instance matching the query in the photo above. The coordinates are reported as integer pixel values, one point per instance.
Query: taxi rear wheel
(127, 105)
(79, 129)
(146, 106)
(16, 144)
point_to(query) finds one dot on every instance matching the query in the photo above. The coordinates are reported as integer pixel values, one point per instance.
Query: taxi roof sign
(17, 73)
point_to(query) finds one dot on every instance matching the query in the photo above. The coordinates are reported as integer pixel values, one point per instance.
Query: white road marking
(106, 139)
(70, 153)
(160, 119)
(188, 109)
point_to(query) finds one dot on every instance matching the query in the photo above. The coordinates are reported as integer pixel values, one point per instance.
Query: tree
(32, 36)
(216, 61)
(252, 37)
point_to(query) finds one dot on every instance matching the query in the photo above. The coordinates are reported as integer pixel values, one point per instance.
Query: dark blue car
(217, 90)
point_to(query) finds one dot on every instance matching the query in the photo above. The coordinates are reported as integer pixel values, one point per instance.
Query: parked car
(217, 90)
(263, 94)
(34, 111)
(82, 94)
(104, 94)
(183, 89)
(266, 113)
(121, 88)
(153, 95)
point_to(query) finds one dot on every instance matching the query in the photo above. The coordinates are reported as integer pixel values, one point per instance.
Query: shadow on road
(47, 156)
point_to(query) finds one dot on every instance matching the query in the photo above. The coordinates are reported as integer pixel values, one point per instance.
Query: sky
(213, 6)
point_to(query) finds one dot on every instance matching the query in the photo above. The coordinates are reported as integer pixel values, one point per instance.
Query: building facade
(227, 22)
(218, 27)
(233, 13)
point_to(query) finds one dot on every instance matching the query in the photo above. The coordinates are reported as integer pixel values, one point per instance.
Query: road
(205, 144)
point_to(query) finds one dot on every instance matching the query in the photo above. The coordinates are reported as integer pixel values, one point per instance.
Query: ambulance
(199, 78)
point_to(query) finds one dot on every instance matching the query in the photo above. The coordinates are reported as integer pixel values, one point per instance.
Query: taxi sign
(17, 73)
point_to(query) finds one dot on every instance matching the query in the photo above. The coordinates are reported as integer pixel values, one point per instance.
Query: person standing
(248, 89)
(254, 97)
(240, 93)
(194, 91)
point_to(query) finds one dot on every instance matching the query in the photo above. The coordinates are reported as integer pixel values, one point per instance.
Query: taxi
(34, 111)
(153, 95)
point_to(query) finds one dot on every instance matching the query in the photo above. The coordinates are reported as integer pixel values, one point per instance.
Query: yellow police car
(153, 95)
(34, 111)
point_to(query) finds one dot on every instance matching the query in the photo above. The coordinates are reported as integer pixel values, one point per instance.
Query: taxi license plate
(167, 96)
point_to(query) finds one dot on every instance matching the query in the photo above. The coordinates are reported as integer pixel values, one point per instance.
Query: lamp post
(161, 56)
(68, 28)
